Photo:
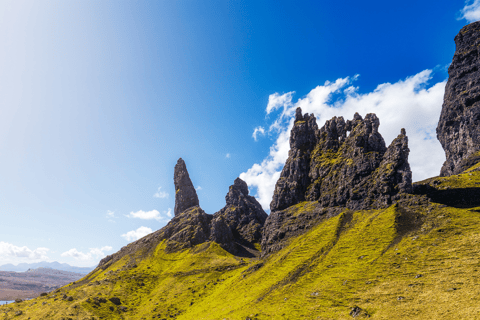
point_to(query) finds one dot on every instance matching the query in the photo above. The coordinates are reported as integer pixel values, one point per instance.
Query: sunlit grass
(362, 258)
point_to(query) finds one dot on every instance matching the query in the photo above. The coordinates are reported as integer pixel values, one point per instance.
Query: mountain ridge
(22, 267)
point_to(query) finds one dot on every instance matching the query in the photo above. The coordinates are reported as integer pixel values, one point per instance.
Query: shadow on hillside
(458, 198)
(245, 252)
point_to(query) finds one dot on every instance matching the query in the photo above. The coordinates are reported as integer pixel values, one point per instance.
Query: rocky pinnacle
(185, 194)
(457, 128)
(243, 214)
(344, 163)
(290, 188)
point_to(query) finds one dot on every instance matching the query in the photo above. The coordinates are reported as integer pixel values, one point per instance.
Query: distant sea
(2, 302)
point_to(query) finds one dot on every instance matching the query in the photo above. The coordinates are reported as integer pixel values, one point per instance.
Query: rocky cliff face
(185, 194)
(344, 163)
(459, 121)
(242, 214)
(290, 188)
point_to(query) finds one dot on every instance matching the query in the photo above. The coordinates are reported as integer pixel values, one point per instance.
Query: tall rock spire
(185, 194)
(290, 188)
(457, 128)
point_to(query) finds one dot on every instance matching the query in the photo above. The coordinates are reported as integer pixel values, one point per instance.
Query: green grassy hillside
(410, 261)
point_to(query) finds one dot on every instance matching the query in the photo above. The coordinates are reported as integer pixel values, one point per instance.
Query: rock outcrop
(344, 163)
(237, 227)
(293, 221)
(185, 193)
(394, 175)
(457, 128)
(187, 229)
(290, 188)
(243, 214)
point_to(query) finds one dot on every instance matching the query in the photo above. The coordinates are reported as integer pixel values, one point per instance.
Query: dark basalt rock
(290, 188)
(222, 234)
(187, 229)
(355, 171)
(185, 194)
(236, 228)
(457, 128)
(343, 165)
(243, 214)
(394, 176)
(281, 225)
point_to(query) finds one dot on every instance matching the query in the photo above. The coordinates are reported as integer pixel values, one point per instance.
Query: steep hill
(349, 236)
(412, 260)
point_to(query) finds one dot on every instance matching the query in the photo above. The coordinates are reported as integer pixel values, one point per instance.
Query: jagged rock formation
(290, 188)
(457, 128)
(355, 171)
(243, 214)
(343, 165)
(185, 194)
(394, 175)
(237, 227)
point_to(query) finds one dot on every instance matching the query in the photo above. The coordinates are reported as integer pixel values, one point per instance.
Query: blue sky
(98, 100)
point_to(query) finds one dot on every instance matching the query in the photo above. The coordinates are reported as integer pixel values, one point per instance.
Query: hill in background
(29, 284)
(22, 267)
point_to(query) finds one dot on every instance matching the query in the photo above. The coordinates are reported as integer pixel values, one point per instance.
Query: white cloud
(74, 253)
(137, 234)
(276, 101)
(151, 215)
(227, 155)
(198, 188)
(93, 254)
(13, 253)
(145, 215)
(160, 194)
(99, 252)
(409, 104)
(471, 11)
(257, 131)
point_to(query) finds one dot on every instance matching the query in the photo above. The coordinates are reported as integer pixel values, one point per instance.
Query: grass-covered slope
(410, 261)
